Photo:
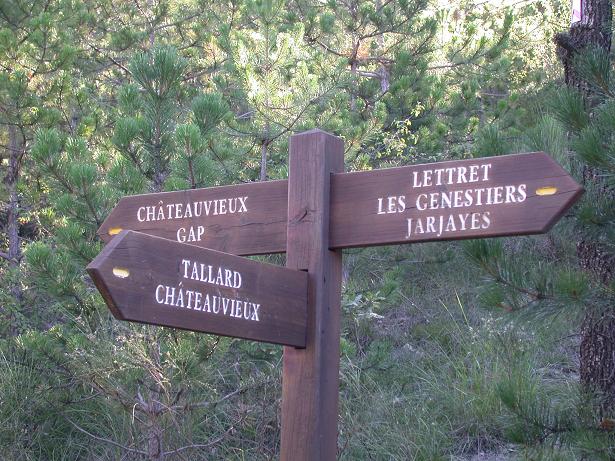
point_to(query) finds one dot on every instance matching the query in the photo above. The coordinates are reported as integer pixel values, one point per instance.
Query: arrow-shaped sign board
(157, 281)
(244, 219)
(488, 197)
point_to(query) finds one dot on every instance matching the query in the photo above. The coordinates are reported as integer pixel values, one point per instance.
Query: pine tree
(382, 50)
(584, 52)
(592, 133)
(148, 378)
(577, 131)
(36, 50)
(276, 86)
(135, 97)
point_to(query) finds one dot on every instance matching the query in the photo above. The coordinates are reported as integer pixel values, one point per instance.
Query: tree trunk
(597, 349)
(383, 71)
(263, 175)
(353, 90)
(155, 409)
(11, 179)
(152, 32)
(597, 358)
(593, 30)
(154, 435)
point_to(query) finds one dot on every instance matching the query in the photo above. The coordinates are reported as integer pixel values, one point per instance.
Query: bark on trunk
(597, 358)
(385, 78)
(597, 349)
(159, 180)
(152, 33)
(353, 91)
(383, 71)
(11, 179)
(594, 30)
(263, 174)
(155, 432)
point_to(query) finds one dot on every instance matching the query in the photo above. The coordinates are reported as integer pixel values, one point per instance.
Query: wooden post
(310, 381)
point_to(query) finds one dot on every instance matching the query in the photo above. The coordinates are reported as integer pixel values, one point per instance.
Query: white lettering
(159, 300)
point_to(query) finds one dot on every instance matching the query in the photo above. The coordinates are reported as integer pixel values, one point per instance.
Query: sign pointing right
(488, 197)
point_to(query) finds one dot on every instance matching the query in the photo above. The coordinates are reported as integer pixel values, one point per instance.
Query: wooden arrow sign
(245, 219)
(488, 197)
(157, 281)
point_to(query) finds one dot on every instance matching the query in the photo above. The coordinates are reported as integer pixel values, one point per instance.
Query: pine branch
(7, 257)
(201, 445)
(206, 404)
(532, 293)
(105, 440)
(111, 58)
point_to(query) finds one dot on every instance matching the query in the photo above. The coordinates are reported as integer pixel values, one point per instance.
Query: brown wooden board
(157, 281)
(488, 197)
(310, 380)
(244, 219)
(519, 194)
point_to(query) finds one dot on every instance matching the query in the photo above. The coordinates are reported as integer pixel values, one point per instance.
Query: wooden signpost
(518, 194)
(153, 280)
(312, 216)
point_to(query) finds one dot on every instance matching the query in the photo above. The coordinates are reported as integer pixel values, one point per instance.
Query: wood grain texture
(140, 277)
(310, 381)
(259, 229)
(359, 219)
(355, 217)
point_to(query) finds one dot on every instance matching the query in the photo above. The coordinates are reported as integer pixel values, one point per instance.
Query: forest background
(495, 349)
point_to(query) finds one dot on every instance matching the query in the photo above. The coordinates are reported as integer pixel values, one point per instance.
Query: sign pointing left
(244, 219)
(157, 281)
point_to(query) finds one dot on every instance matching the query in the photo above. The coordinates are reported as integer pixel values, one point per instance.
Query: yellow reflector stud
(548, 190)
(115, 230)
(121, 272)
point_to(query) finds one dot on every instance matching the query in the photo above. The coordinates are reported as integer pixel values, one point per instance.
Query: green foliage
(436, 390)
(490, 141)
(149, 132)
(595, 67)
(158, 71)
(125, 98)
(209, 110)
(553, 416)
(533, 289)
(549, 136)
(568, 107)
(553, 420)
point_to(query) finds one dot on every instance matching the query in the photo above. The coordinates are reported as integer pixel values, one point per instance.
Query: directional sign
(488, 197)
(245, 219)
(174, 281)
(157, 281)
(494, 196)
